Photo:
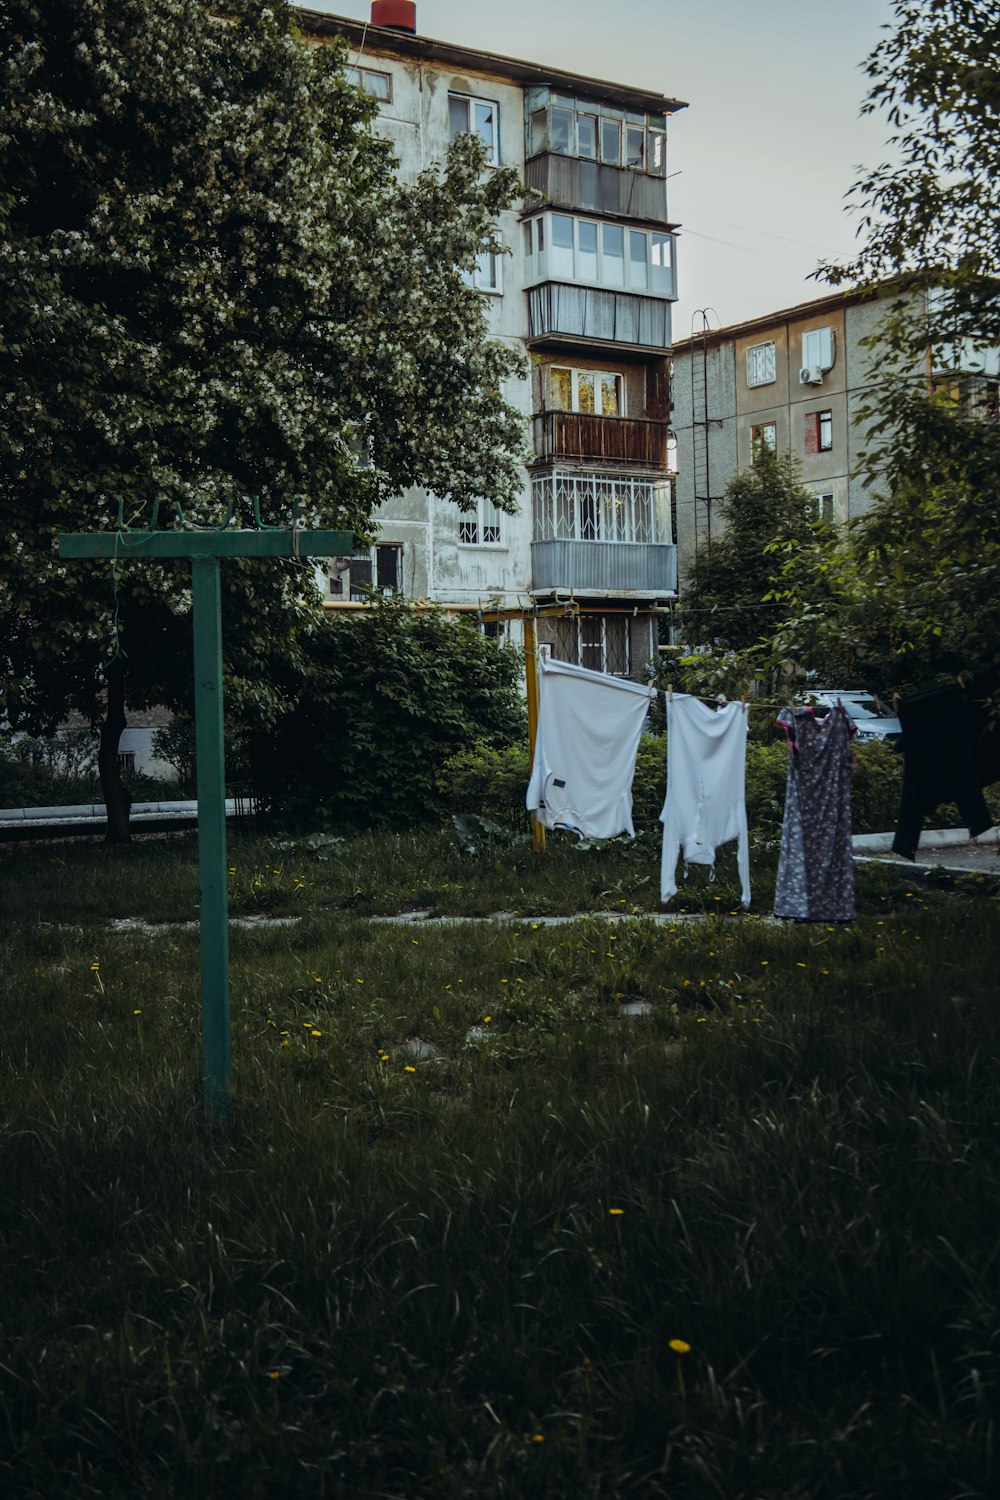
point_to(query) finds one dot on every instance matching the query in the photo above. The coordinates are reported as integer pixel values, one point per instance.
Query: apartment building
(586, 291)
(795, 381)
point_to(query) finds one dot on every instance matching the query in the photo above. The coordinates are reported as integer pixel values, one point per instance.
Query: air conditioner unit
(811, 375)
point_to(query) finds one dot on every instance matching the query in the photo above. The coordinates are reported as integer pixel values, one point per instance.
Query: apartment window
(761, 364)
(764, 435)
(591, 392)
(822, 507)
(818, 431)
(611, 142)
(586, 137)
(379, 568)
(591, 250)
(488, 274)
(370, 81)
(635, 147)
(126, 762)
(481, 527)
(496, 630)
(594, 132)
(480, 117)
(818, 348)
(600, 642)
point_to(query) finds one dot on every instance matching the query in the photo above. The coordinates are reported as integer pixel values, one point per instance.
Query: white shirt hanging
(585, 749)
(706, 788)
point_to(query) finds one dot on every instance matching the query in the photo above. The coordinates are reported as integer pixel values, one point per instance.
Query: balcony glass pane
(562, 131)
(587, 265)
(561, 254)
(585, 392)
(656, 161)
(638, 274)
(610, 395)
(613, 246)
(611, 142)
(539, 131)
(586, 136)
(661, 263)
(635, 146)
(561, 389)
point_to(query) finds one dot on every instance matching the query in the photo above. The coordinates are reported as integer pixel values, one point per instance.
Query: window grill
(595, 508)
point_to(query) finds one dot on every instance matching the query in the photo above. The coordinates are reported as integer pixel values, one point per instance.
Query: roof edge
(407, 45)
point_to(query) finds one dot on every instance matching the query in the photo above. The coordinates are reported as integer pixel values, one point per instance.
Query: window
(818, 348)
(765, 435)
(818, 431)
(600, 252)
(760, 364)
(481, 528)
(822, 507)
(596, 392)
(496, 630)
(594, 132)
(126, 762)
(611, 142)
(635, 147)
(488, 275)
(377, 85)
(379, 567)
(476, 117)
(600, 642)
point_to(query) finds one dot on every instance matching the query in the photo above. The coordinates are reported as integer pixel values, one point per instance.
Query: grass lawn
(501, 1209)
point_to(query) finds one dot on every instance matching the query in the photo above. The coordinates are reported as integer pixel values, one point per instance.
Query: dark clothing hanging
(816, 867)
(985, 727)
(939, 764)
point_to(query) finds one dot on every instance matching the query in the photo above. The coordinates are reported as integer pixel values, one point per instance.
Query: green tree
(723, 598)
(916, 583)
(212, 288)
(384, 701)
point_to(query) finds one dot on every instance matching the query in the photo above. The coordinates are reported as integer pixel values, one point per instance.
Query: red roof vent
(401, 15)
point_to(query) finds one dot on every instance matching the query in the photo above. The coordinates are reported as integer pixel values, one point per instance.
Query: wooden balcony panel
(613, 440)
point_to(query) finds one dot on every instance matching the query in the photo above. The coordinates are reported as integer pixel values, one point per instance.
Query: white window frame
(363, 78)
(818, 348)
(482, 527)
(488, 274)
(761, 364)
(540, 265)
(823, 503)
(574, 375)
(472, 101)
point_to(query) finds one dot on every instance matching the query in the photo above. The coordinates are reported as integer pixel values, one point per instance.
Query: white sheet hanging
(588, 737)
(706, 788)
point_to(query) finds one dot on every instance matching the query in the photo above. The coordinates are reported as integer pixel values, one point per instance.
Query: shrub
(388, 696)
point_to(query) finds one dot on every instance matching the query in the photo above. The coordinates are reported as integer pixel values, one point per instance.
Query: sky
(771, 141)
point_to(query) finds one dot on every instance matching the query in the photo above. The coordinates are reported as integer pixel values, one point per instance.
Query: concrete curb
(931, 838)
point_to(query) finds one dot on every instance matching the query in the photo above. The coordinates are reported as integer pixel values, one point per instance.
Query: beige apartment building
(586, 291)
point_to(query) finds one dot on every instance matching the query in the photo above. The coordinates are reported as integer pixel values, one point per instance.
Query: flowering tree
(213, 290)
(915, 586)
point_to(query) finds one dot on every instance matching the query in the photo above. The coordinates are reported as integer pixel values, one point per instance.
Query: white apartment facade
(586, 291)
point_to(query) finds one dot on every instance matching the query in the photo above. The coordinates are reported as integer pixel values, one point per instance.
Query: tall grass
(456, 1269)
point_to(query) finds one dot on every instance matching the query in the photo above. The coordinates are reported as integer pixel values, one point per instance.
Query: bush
(388, 696)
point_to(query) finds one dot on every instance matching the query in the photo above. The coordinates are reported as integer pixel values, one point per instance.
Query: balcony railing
(612, 440)
(567, 182)
(607, 508)
(558, 309)
(642, 570)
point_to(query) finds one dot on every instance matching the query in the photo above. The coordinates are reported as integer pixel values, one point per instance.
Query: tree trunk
(117, 797)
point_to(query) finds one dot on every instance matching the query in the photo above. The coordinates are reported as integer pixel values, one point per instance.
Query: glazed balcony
(566, 182)
(583, 316)
(595, 439)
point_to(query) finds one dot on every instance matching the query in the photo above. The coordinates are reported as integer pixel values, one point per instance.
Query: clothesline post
(531, 686)
(205, 550)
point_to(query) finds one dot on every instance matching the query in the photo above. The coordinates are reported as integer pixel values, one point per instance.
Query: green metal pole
(212, 867)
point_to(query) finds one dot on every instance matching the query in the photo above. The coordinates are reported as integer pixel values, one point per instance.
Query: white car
(871, 720)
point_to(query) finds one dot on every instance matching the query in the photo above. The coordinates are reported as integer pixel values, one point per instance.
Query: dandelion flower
(615, 1212)
(680, 1346)
(409, 1069)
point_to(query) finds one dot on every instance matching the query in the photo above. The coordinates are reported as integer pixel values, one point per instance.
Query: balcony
(559, 312)
(566, 182)
(610, 440)
(604, 568)
(602, 534)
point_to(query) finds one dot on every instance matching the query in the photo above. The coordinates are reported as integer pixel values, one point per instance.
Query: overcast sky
(768, 146)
